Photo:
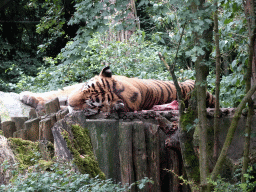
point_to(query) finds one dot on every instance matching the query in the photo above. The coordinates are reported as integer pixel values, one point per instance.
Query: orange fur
(106, 92)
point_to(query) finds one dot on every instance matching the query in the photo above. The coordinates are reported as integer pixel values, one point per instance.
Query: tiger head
(98, 94)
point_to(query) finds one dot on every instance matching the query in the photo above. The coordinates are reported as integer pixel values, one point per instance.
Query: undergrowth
(61, 176)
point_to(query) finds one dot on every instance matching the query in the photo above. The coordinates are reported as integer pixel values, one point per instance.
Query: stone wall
(35, 127)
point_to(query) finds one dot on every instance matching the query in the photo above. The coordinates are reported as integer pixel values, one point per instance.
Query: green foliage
(85, 14)
(53, 24)
(173, 16)
(13, 70)
(234, 52)
(222, 185)
(54, 20)
(124, 57)
(62, 177)
(234, 183)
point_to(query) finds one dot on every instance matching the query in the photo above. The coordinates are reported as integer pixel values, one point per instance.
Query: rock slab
(11, 106)
(6, 158)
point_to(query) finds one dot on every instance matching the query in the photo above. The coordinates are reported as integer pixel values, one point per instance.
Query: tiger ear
(106, 72)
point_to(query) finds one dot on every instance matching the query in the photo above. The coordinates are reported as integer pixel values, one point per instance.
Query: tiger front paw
(119, 107)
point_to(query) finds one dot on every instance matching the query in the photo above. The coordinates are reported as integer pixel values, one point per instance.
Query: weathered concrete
(8, 128)
(53, 119)
(104, 137)
(19, 122)
(32, 114)
(22, 133)
(61, 114)
(63, 101)
(236, 148)
(46, 153)
(131, 145)
(45, 132)
(32, 127)
(52, 106)
(60, 145)
(162, 150)
(29, 129)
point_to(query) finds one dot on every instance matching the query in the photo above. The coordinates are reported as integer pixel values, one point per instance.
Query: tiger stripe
(106, 92)
(135, 94)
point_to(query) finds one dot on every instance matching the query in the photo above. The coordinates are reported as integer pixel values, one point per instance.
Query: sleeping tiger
(107, 92)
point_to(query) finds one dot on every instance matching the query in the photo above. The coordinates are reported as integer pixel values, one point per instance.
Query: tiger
(106, 92)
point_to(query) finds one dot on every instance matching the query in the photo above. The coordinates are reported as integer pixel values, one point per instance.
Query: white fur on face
(97, 104)
(93, 104)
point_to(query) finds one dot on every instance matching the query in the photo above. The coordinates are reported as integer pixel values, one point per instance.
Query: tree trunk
(250, 15)
(201, 86)
(202, 125)
(217, 82)
(189, 157)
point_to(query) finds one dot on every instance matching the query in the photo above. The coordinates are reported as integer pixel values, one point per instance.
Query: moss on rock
(26, 152)
(82, 151)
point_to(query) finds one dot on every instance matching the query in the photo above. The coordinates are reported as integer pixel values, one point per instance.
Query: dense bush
(125, 58)
(63, 177)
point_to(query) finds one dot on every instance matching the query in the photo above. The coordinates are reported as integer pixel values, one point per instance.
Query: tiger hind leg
(32, 100)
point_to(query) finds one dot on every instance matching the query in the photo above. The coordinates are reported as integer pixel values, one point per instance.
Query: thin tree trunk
(202, 71)
(217, 82)
(135, 14)
(190, 161)
(247, 140)
(202, 124)
(251, 25)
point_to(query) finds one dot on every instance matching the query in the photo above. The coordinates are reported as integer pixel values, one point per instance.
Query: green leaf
(233, 64)
(194, 58)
